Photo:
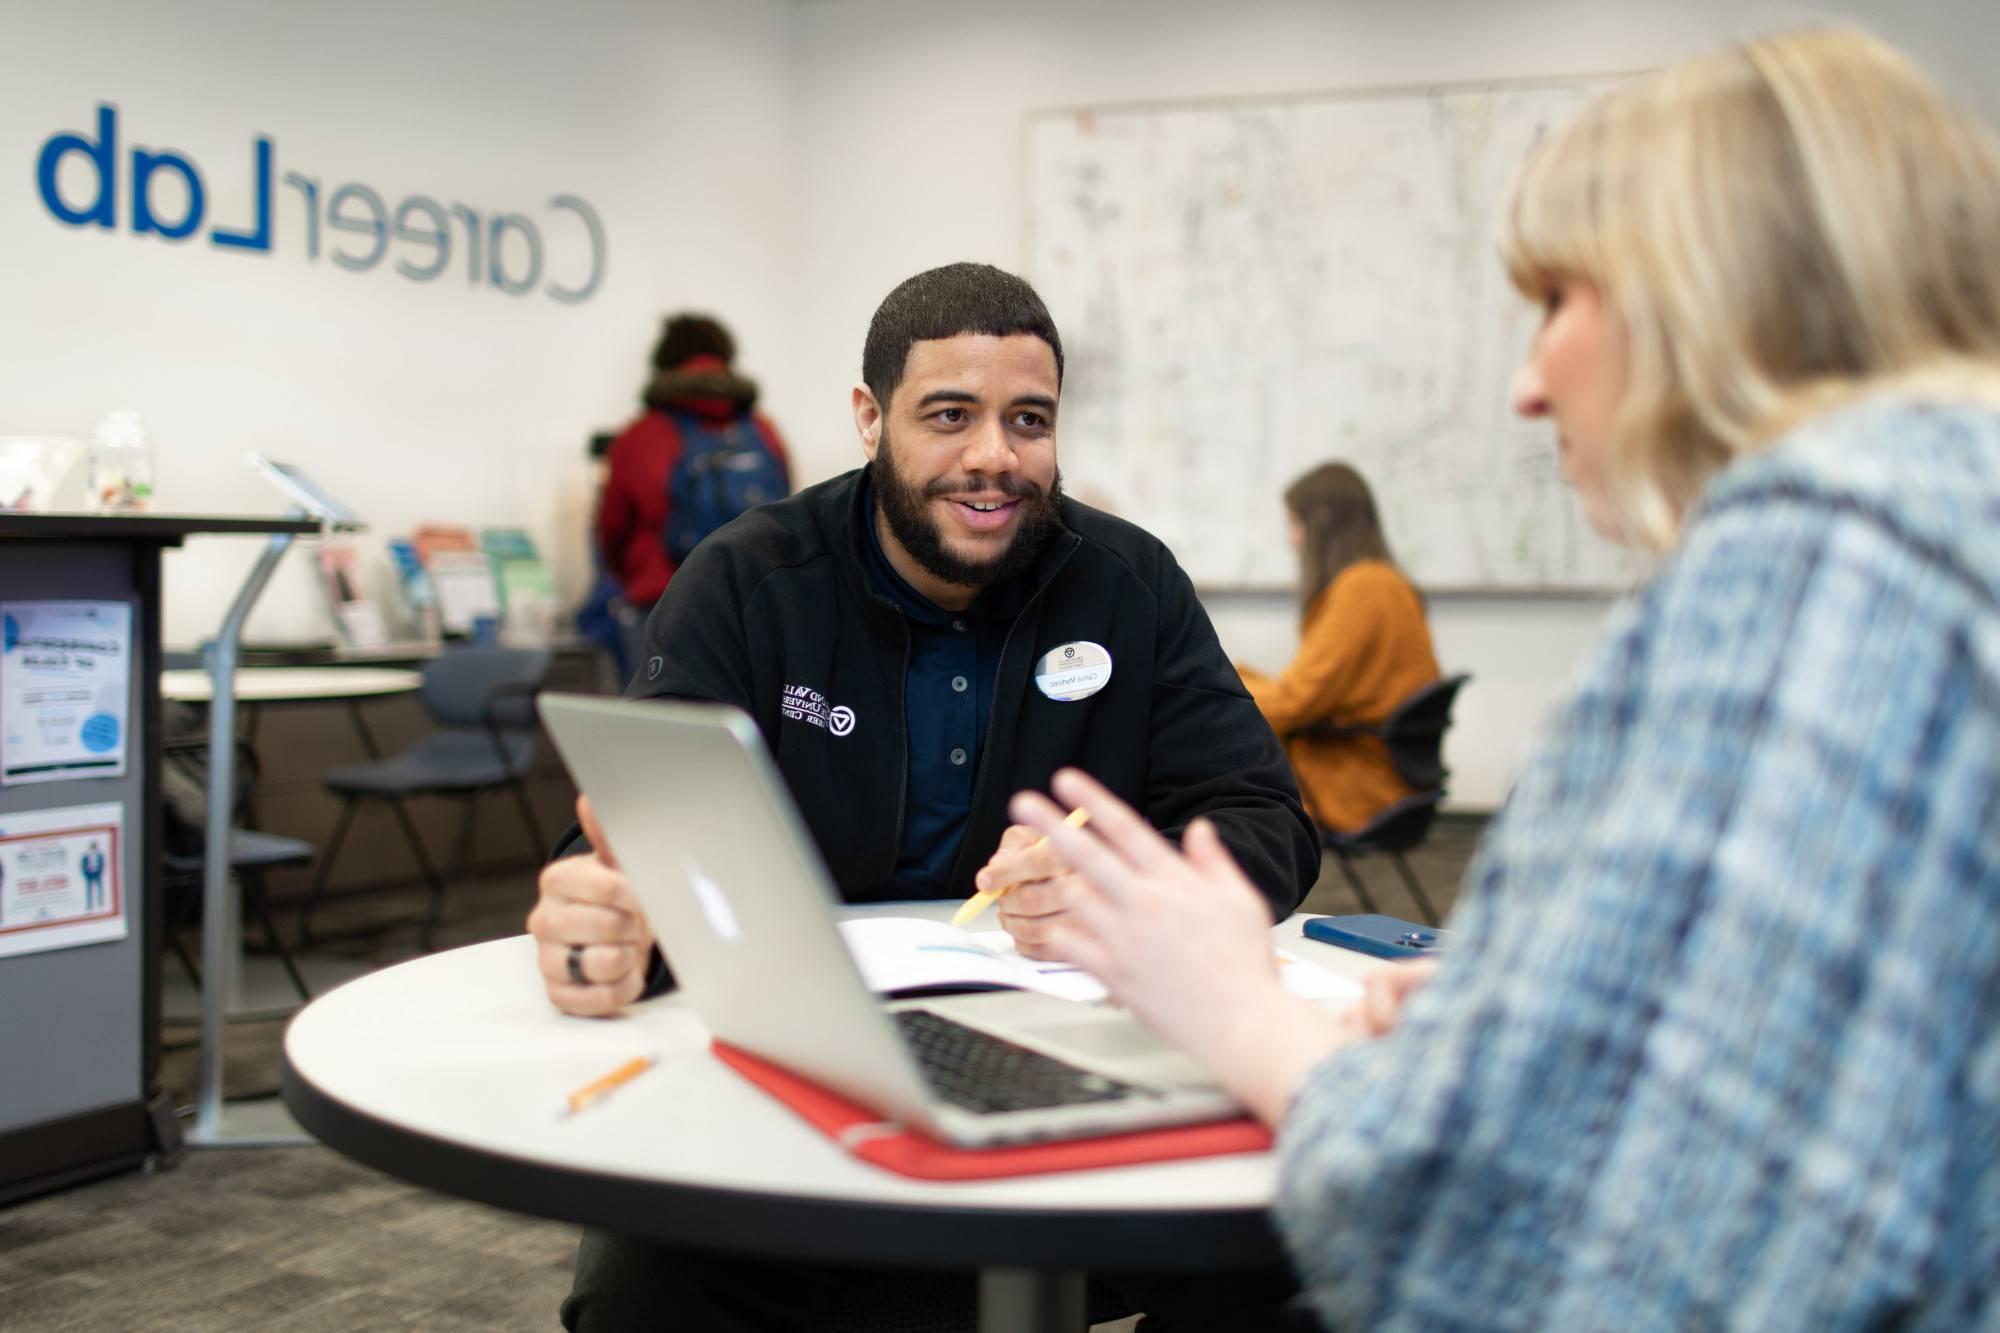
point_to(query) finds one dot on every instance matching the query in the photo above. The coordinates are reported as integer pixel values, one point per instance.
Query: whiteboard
(1246, 290)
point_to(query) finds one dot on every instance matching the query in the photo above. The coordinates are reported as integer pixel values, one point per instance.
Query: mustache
(1013, 487)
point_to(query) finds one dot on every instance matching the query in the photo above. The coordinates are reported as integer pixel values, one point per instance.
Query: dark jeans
(625, 1284)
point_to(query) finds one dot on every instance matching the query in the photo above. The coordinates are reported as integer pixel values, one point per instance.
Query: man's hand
(1038, 884)
(586, 904)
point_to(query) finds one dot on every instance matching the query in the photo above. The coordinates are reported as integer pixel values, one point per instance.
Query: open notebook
(906, 956)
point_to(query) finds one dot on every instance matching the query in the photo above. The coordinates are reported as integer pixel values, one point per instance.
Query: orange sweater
(1363, 650)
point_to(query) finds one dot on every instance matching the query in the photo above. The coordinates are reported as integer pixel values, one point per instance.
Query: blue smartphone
(1373, 933)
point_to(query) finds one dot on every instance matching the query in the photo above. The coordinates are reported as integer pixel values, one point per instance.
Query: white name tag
(1073, 671)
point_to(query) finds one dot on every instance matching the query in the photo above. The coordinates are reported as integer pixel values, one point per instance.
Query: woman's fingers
(1115, 823)
(1085, 853)
(1211, 861)
(1387, 988)
(1070, 941)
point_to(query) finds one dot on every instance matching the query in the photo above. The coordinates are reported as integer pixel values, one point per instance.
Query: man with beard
(917, 640)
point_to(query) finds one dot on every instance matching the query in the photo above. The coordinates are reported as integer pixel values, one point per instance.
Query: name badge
(1073, 671)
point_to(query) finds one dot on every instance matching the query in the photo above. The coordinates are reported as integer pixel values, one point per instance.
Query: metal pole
(221, 928)
(1033, 1300)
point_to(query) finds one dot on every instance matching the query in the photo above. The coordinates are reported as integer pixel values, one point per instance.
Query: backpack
(720, 474)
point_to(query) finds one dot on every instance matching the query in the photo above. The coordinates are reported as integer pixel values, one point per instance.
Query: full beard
(907, 509)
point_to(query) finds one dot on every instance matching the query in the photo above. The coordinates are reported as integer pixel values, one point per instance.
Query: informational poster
(60, 878)
(65, 676)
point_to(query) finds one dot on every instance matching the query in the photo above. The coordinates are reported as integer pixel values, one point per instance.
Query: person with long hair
(1363, 648)
(1717, 1041)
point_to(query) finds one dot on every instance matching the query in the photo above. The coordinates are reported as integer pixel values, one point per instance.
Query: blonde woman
(1363, 649)
(1719, 1045)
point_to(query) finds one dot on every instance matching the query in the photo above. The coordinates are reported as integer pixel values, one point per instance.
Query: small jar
(121, 466)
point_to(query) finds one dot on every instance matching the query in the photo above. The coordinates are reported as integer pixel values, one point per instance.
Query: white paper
(902, 954)
(65, 676)
(61, 878)
(1310, 981)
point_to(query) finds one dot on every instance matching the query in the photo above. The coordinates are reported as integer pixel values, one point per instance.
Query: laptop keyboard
(983, 1073)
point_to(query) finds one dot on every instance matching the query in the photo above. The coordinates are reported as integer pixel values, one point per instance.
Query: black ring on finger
(575, 963)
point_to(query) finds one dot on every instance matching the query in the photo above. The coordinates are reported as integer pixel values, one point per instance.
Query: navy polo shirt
(947, 697)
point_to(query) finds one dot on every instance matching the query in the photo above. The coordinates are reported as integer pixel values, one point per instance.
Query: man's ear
(867, 419)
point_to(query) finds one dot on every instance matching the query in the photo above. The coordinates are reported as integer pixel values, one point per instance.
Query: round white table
(449, 1071)
(256, 685)
(289, 685)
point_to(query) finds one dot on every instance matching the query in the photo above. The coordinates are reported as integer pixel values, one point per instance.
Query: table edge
(780, 1226)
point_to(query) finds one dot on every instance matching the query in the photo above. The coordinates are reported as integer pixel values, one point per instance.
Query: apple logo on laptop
(714, 905)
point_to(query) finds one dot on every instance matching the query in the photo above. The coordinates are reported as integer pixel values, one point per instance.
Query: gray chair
(183, 855)
(1414, 734)
(483, 700)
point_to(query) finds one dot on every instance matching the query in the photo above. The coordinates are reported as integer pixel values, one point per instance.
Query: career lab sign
(93, 180)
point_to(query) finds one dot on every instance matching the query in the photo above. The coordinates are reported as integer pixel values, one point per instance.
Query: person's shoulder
(647, 430)
(1918, 474)
(1105, 537)
(1373, 578)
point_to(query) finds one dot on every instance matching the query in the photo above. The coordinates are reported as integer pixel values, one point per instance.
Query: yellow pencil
(601, 1087)
(970, 909)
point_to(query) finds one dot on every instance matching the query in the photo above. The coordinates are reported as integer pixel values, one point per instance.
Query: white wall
(782, 163)
(912, 129)
(437, 400)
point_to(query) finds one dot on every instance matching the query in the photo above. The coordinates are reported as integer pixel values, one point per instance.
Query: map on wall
(1246, 290)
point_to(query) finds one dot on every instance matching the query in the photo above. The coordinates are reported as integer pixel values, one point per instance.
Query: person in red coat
(693, 386)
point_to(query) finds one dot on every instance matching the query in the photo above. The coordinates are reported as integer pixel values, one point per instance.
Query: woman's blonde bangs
(1553, 230)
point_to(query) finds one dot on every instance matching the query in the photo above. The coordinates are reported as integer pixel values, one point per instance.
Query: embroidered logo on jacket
(802, 704)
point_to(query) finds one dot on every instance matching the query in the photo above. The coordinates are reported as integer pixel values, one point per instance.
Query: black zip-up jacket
(773, 613)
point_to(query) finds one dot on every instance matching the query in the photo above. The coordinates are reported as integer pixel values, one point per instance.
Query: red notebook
(872, 1139)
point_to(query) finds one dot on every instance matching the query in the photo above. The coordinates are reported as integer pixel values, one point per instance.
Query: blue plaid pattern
(1718, 1046)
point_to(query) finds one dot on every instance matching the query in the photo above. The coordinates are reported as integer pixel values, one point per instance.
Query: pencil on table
(970, 909)
(601, 1087)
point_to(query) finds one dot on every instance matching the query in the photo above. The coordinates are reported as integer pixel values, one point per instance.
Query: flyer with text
(65, 677)
(62, 881)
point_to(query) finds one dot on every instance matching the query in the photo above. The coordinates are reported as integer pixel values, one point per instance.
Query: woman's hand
(1184, 941)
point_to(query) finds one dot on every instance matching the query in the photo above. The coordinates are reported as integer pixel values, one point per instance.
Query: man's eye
(1030, 420)
(951, 416)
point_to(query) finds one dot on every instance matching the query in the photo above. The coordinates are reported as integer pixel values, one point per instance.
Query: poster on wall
(65, 675)
(60, 879)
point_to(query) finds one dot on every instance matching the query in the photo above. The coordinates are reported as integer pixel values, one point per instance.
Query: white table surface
(291, 684)
(464, 1047)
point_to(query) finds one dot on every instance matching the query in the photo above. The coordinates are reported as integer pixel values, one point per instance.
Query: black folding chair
(1414, 735)
(183, 854)
(483, 700)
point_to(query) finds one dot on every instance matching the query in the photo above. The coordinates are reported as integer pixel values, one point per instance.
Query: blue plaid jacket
(1719, 1045)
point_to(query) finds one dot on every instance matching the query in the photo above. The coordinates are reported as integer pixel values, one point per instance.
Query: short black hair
(690, 335)
(944, 303)
(601, 442)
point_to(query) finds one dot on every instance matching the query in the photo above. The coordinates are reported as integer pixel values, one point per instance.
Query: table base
(258, 1124)
(1033, 1300)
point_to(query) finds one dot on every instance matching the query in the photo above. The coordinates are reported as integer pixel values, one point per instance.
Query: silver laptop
(743, 907)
